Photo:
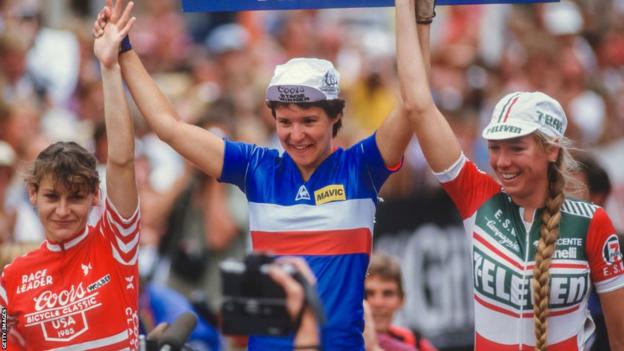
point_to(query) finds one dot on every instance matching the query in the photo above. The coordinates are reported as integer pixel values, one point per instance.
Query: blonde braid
(549, 232)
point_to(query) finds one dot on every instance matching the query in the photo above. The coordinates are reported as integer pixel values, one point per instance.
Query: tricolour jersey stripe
(483, 344)
(569, 265)
(504, 326)
(333, 242)
(356, 213)
(528, 314)
(497, 251)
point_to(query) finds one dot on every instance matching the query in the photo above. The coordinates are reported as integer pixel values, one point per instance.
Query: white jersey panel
(355, 213)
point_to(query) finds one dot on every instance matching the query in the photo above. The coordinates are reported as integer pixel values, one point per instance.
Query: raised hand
(100, 22)
(425, 11)
(117, 25)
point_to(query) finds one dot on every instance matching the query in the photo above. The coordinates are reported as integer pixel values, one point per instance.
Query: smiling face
(305, 134)
(63, 212)
(521, 166)
(384, 298)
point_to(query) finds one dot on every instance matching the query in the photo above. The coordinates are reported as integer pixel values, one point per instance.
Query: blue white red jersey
(328, 220)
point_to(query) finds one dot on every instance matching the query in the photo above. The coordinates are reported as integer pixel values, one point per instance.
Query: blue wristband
(125, 45)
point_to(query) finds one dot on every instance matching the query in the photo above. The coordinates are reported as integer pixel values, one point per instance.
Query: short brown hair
(69, 164)
(386, 268)
(333, 108)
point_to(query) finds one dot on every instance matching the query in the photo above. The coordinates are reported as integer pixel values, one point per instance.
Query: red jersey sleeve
(123, 233)
(467, 185)
(603, 253)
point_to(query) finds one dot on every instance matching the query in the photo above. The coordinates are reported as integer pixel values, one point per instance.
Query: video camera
(254, 304)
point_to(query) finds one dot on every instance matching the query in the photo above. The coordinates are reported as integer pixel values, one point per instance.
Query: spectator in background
(14, 80)
(7, 214)
(203, 229)
(19, 125)
(383, 289)
(18, 220)
(55, 79)
(596, 181)
(162, 37)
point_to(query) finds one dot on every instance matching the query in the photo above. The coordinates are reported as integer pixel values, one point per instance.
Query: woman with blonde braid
(536, 252)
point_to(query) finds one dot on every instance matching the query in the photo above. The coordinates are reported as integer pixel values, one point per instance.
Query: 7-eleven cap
(521, 113)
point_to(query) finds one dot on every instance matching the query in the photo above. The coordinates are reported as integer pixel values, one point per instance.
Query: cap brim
(294, 94)
(512, 129)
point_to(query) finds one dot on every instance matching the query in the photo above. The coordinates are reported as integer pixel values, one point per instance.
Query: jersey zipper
(524, 285)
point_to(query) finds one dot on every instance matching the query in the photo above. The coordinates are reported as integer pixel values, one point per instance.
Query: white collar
(63, 246)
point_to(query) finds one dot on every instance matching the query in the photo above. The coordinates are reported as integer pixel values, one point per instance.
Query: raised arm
(199, 146)
(437, 140)
(120, 179)
(393, 136)
(395, 132)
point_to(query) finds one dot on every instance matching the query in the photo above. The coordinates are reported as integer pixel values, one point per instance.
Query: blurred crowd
(215, 67)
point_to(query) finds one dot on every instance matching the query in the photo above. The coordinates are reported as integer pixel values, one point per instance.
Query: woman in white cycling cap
(315, 201)
(536, 252)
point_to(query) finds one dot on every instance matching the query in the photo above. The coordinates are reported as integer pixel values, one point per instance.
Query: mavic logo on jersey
(330, 193)
(302, 194)
(611, 250)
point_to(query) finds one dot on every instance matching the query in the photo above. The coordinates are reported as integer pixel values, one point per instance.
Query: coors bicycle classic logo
(49, 299)
(61, 315)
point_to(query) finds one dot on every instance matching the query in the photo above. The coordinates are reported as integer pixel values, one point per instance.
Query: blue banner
(242, 5)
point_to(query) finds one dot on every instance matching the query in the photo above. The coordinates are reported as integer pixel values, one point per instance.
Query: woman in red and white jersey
(79, 289)
(536, 252)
